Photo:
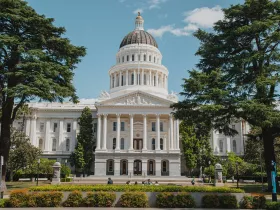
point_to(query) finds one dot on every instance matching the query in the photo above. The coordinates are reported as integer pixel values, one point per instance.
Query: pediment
(137, 98)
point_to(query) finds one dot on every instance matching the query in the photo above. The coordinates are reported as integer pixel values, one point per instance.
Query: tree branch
(17, 107)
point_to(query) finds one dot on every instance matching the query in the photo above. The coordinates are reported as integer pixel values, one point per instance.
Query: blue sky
(100, 26)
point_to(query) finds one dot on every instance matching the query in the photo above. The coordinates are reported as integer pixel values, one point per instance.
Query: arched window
(67, 145)
(145, 79)
(161, 143)
(150, 58)
(144, 57)
(221, 145)
(114, 143)
(54, 145)
(234, 146)
(132, 57)
(153, 144)
(41, 146)
(127, 58)
(122, 143)
(132, 79)
(164, 166)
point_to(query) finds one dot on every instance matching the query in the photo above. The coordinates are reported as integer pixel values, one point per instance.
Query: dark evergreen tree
(36, 61)
(238, 74)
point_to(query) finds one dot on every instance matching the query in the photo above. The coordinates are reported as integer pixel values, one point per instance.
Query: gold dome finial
(139, 14)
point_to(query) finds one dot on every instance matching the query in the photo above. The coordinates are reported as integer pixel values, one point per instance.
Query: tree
(86, 141)
(238, 73)
(22, 153)
(45, 167)
(196, 147)
(36, 61)
(77, 157)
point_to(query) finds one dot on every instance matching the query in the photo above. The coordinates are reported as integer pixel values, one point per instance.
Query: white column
(98, 143)
(171, 131)
(120, 78)
(156, 78)
(144, 132)
(131, 132)
(34, 131)
(118, 132)
(178, 134)
(135, 77)
(111, 80)
(47, 136)
(174, 134)
(116, 166)
(144, 167)
(164, 143)
(27, 127)
(158, 132)
(115, 80)
(130, 167)
(162, 84)
(74, 137)
(104, 132)
(142, 77)
(166, 82)
(60, 134)
(126, 78)
(158, 167)
(150, 78)
(138, 77)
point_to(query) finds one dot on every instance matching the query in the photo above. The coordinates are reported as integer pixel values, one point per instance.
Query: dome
(143, 36)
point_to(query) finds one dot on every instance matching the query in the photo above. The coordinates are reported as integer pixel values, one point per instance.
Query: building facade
(134, 130)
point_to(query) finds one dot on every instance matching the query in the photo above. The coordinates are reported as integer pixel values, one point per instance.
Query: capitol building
(134, 130)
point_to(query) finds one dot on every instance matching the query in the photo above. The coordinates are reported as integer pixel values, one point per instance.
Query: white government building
(134, 129)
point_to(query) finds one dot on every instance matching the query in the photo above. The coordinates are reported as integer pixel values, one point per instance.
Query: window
(154, 80)
(153, 144)
(67, 145)
(153, 126)
(54, 145)
(122, 143)
(144, 57)
(132, 57)
(127, 58)
(233, 127)
(161, 126)
(114, 143)
(114, 126)
(221, 145)
(68, 127)
(122, 81)
(41, 144)
(234, 146)
(164, 168)
(113, 81)
(132, 79)
(54, 127)
(42, 125)
(110, 165)
(123, 59)
(150, 58)
(122, 126)
(95, 127)
(161, 144)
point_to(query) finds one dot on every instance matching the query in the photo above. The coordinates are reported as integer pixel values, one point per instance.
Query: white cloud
(159, 32)
(155, 3)
(204, 17)
(121, 1)
(138, 10)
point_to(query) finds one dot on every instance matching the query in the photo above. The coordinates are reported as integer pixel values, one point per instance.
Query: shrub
(246, 202)
(4, 203)
(66, 179)
(138, 188)
(166, 200)
(210, 201)
(272, 205)
(134, 200)
(184, 200)
(75, 199)
(101, 199)
(45, 199)
(259, 202)
(228, 202)
(90, 200)
(18, 198)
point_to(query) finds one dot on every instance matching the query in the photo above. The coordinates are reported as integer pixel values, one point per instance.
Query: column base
(117, 150)
(130, 150)
(144, 150)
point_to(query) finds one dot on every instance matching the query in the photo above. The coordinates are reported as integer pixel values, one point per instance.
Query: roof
(138, 36)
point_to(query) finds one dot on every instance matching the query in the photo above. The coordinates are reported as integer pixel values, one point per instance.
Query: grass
(21, 185)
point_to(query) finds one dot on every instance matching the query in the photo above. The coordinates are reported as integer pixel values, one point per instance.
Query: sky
(100, 26)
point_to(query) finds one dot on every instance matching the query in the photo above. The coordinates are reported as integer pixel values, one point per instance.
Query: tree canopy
(237, 76)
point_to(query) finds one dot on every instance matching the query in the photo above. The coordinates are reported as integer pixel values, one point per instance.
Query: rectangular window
(54, 127)
(153, 126)
(67, 145)
(110, 166)
(114, 126)
(42, 125)
(54, 145)
(95, 127)
(161, 126)
(221, 145)
(68, 127)
(122, 126)
(122, 143)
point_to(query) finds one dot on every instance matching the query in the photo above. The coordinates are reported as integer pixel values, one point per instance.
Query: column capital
(105, 115)
(171, 115)
(131, 115)
(144, 115)
(118, 115)
(158, 115)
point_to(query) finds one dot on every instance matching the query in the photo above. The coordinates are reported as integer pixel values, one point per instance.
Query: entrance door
(151, 168)
(124, 168)
(137, 167)
(137, 144)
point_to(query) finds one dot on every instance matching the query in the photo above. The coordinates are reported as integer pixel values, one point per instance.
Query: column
(126, 78)
(166, 82)
(98, 145)
(118, 132)
(104, 132)
(74, 136)
(174, 134)
(27, 127)
(47, 136)
(135, 77)
(115, 80)
(144, 132)
(158, 167)
(138, 77)
(177, 134)
(120, 78)
(131, 132)
(116, 167)
(34, 131)
(156, 79)
(142, 77)
(60, 134)
(158, 132)
(164, 143)
(100, 167)
(111, 81)
(150, 77)
(144, 167)
(162, 84)
(130, 167)
(171, 131)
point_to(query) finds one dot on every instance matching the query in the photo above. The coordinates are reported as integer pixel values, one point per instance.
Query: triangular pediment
(137, 98)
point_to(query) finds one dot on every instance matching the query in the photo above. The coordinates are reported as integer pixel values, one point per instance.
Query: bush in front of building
(66, 179)
(19, 198)
(228, 202)
(100, 199)
(75, 199)
(210, 201)
(4, 203)
(166, 200)
(185, 200)
(246, 202)
(272, 205)
(134, 200)
(259, 202)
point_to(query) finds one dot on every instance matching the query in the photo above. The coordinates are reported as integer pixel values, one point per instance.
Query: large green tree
(85, 142)
(238, 73)
(36, 62)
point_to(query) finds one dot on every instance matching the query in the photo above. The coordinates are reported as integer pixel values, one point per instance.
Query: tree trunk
(5, 138)
(269, 153)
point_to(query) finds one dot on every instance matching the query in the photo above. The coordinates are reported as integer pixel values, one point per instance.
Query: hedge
(228, 202)
(138, 188)
(210, 201)
(4, 203)
(134, 200)
(100, 199)
(272, 205)
(66, 179)
(170, 200)
(75, 199)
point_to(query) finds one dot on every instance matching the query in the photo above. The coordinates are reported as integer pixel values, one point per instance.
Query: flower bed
(138, 188)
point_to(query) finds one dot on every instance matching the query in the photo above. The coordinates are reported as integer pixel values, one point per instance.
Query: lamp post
(237, 174)
(65, 164)
(258, 139)
(38, 171)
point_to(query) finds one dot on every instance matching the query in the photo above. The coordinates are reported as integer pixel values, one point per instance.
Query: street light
(38, 170)
(260, 151)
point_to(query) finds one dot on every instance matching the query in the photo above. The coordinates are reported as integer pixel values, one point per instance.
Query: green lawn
(22, 185)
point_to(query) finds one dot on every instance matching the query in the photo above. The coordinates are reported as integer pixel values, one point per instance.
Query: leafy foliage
(75, 199)
(45, 167)
(210, 201)
(246, 202)
(77, 157)
(170, 200)
(100, 199)
(134, 200)
(228, 202)
(272, 205)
